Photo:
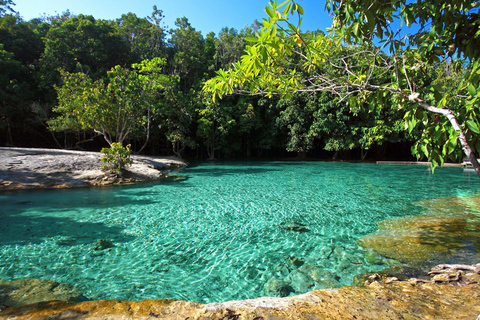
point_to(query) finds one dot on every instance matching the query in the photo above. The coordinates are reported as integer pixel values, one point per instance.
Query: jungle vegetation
(356, 91)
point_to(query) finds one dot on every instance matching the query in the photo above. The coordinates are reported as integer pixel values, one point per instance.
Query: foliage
(124, 79)
(114, 109)
(283, 60)
(443, 26)
(5, 6)
(116, 158)
(20, 49)
(146, 40)
(82, 44)
(188, 45)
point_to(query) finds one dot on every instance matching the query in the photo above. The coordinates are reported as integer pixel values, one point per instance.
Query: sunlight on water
(230, 231)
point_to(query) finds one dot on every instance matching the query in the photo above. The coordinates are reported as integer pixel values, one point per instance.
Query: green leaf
(411, 125)
(452, 144)
(328, 6)
(252, 39)
(355, 29)
(299, 9)
(370, 20)
(472, 125)
(287, 9)
(424, 150)
(471, 90)
(269, 12)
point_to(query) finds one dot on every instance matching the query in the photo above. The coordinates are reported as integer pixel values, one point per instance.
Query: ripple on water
(225, 233)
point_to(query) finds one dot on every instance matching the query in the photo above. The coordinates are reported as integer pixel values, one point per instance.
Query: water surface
(222, 234)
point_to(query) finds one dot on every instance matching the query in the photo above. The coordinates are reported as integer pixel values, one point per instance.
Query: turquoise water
(230, 231)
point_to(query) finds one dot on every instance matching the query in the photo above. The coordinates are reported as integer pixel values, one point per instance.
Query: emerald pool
(231, 230)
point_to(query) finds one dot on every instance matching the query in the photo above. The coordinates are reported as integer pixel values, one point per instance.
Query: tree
(229, 47)
(112, 109)
(145, 39)
(5, 6)
(268, 67)
(120, 107)
(188, 54)
(166, 103)
(82, 44)
(10, 89)
(20, 49)
(20, 38)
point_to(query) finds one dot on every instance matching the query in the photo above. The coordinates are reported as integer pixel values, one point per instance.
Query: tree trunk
(454, 122)
(9, 133)
(363, 154)
(211, 151)
(301, 155)
(249, 147)
(177, 150)
(147, 138)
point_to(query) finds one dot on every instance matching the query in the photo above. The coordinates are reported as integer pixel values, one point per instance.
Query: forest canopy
(73, 81)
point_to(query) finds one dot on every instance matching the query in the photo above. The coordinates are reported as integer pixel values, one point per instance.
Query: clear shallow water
(222, 234)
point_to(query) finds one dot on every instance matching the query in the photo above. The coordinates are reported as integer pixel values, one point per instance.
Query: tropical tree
(82, 44)
(229, 47)
(20, 49)
(145, 37)
(6, 6)
(188, 54)
(113, 109)
(268, 65)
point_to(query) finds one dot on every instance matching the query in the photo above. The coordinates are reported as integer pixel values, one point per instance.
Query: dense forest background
(39, 57)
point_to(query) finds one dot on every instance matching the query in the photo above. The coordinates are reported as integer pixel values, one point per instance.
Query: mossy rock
(28, 291)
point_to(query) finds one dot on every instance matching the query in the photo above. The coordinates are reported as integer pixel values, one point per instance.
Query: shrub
(116, 158)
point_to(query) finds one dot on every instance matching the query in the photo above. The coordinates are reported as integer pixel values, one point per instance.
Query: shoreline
(38, 168)
(381, 297)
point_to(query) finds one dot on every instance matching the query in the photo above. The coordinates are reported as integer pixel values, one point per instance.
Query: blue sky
(204, 15)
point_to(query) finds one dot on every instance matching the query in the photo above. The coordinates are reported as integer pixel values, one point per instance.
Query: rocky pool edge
(449, 294)
(29, 168)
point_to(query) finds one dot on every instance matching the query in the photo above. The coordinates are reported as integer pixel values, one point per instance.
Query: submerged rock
(174, 178)
(300, 282)
(103, 244)
(445, 232)
(324, 279)
(277, 288)
(295, 262)
(372, 257)
(28, 291)
(295, 226)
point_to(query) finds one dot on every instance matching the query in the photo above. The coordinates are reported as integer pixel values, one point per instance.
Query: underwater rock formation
(29, 291)
(295, 226)
(277, 288)
(436, 236)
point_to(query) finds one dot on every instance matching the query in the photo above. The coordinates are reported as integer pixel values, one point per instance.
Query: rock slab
(377, 300)
(25, 168)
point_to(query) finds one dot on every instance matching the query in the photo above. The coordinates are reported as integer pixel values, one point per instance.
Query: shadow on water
(69, 199)
(19, 229)
(31, 217)
(218, 169)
